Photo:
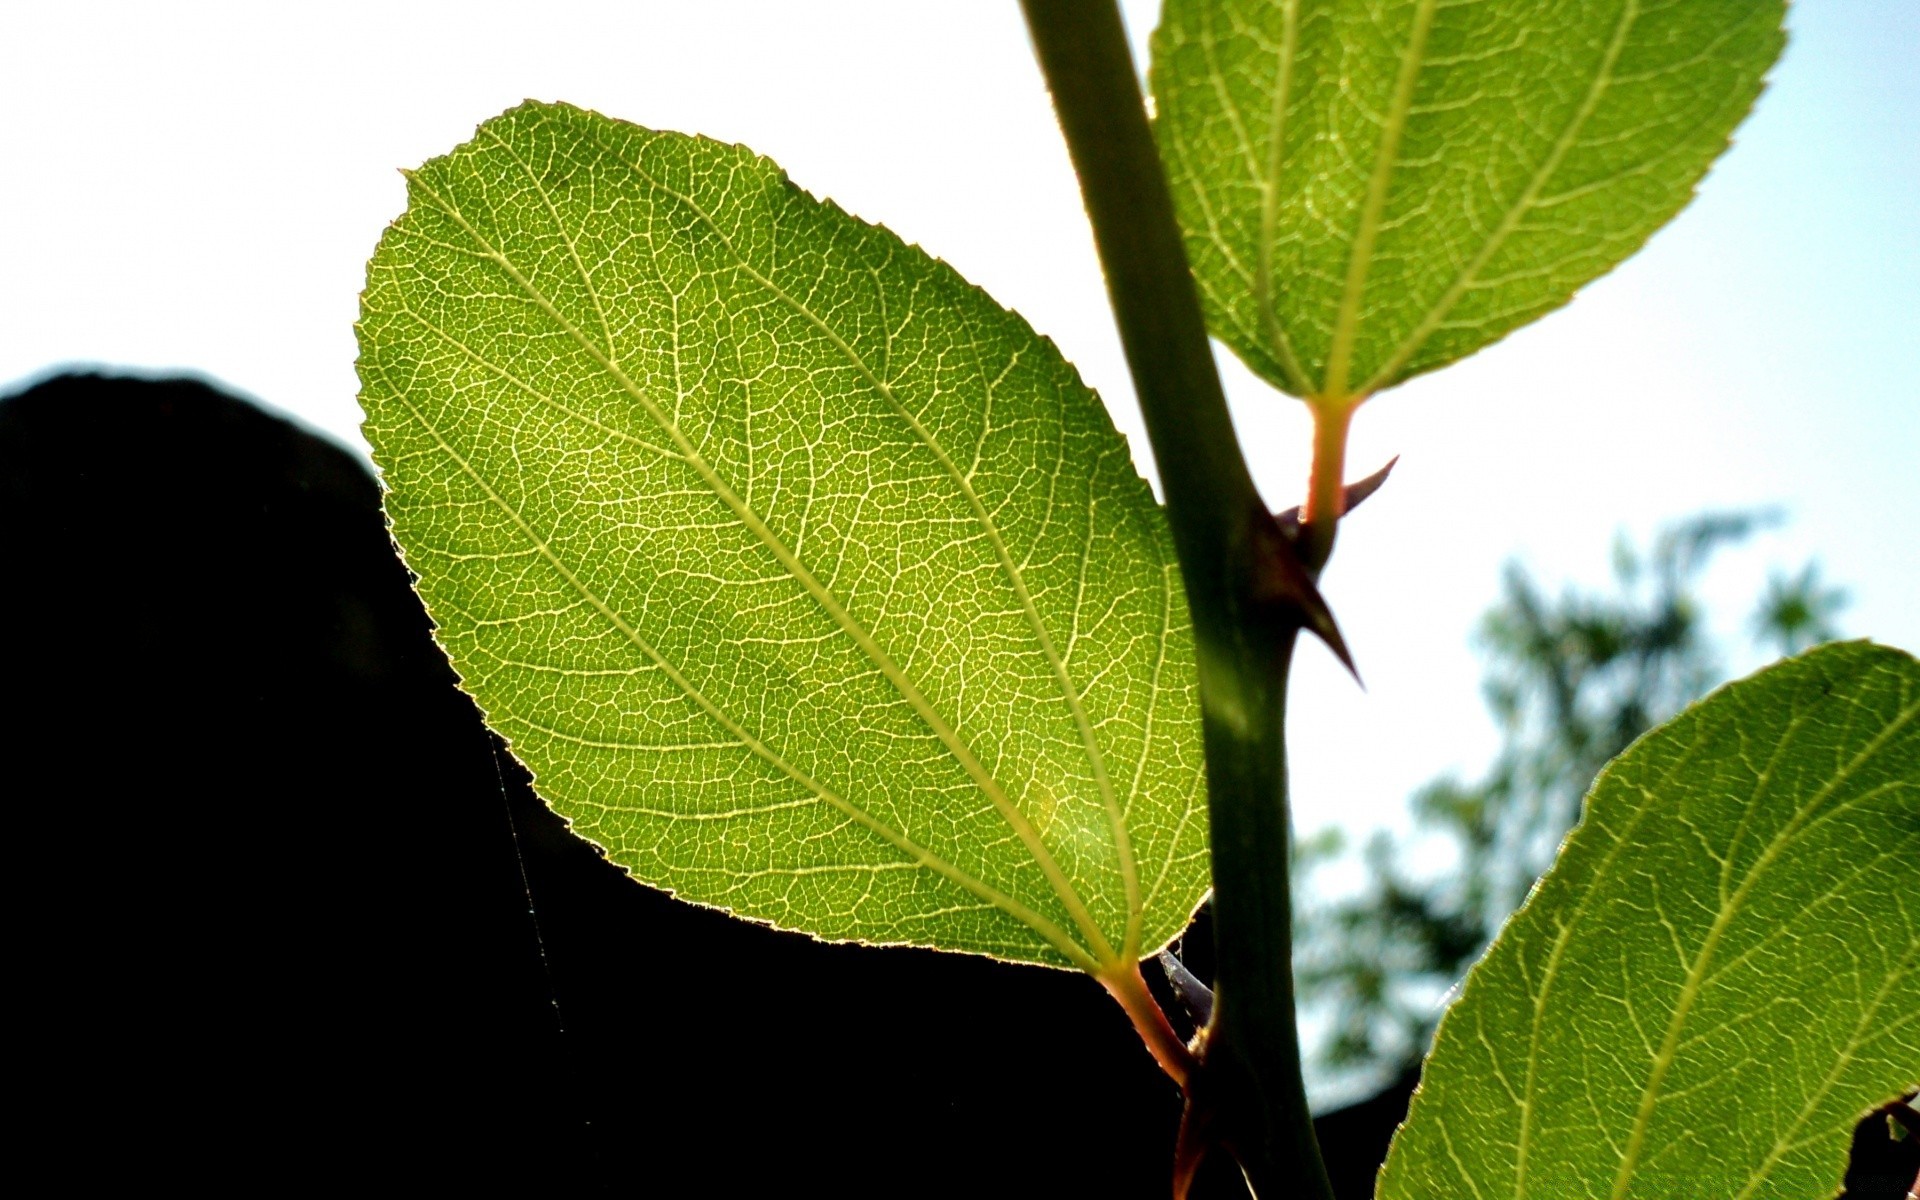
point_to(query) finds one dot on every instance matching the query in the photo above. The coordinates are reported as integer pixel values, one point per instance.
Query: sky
(197, 186)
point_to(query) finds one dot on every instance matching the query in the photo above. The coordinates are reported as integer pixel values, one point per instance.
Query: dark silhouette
(274, 879)
(1884, 1160)
(275, 931)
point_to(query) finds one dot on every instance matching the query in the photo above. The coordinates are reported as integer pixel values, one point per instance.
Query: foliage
(816, 586)
(1375, 189)
(1797, 612)
(725, 505)
(1723, 961)
(1571, 681)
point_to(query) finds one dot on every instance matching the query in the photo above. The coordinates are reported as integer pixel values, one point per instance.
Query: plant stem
(1083, 52)
(1247, 1089)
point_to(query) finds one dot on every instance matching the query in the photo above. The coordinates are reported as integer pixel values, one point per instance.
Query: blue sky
(197, 186)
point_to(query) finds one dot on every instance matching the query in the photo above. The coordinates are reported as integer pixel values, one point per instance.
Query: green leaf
(809, 583)
(1720, 974)
(1374, 188)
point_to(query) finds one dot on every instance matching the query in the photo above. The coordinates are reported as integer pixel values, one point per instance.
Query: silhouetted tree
(1571, 682)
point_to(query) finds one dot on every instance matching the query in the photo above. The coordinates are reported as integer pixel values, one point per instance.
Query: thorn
(1283, 581)
(1195, 997)
(1360, 489)
(1350, 497)
(1189, 1149)
(1324, 628)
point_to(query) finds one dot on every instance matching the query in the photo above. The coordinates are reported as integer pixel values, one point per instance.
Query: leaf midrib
(1784, 1145)
(1266, 177)
(1070, 694)
(1622, 842)
(1346, 327)
(1103, 953)
(1054, 935)
(1697, 971)
(1596, 91)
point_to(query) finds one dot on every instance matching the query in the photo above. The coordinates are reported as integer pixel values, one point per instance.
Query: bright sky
(197, 186)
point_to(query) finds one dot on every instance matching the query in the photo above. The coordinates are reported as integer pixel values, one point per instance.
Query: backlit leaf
(1374, 188)
(809, 582)
(1720, 974)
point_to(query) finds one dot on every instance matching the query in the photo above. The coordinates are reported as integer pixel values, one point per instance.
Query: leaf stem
(1326, 484)
(1246, 1088)
(1129, 987)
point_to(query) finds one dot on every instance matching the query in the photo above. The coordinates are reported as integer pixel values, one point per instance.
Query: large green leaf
(1720, 974)
(1374, 188)
(809, 582)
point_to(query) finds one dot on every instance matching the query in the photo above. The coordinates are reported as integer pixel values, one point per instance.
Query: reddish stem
(1129, 987)
(1326, 483)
